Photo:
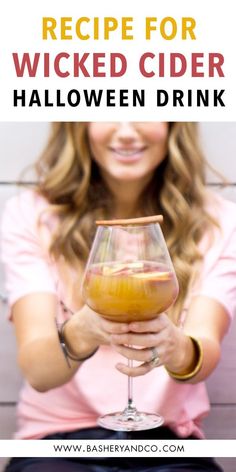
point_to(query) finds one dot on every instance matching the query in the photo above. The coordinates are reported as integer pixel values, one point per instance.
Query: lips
(128, 154)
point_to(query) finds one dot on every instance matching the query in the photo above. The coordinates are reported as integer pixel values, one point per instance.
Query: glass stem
(130, 386)
(130, 411)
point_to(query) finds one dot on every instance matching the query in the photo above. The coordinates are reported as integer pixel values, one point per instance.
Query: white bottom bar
(118, 448)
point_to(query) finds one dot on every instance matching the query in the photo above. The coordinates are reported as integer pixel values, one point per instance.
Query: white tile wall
(11, 378)
(221, 384)
(20, 146)
(219, 145)
(6, 191)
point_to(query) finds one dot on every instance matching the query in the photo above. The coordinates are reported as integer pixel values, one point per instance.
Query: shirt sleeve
(26, 265)
(218, 281)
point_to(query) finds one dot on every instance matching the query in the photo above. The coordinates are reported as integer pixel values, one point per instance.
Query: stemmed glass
(129, 277)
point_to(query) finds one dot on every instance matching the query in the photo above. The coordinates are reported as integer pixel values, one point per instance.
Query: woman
(116, 170)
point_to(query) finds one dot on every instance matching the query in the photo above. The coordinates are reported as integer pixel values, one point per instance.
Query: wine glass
(129, 276)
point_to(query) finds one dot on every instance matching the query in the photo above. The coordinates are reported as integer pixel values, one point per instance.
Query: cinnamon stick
(131, 221)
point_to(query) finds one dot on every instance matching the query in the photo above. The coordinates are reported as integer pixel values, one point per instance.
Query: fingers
(139, 341)
(140, 355)
(155, 325)
(151, 326)
(112, 327)
(149, 358)
(135, 371)
(147, 340)
(107, 326)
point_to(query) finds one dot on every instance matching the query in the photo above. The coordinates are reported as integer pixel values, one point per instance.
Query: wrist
(183, 354)
(194, 364)
(79, 344)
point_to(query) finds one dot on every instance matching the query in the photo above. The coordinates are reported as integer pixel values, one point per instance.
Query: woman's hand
(152, 343)
(146, 340)
(159, 336)
(87, 330)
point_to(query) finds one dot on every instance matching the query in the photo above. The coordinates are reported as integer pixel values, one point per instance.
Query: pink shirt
(97, 387)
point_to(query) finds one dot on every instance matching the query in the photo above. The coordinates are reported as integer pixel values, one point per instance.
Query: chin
(128, 177)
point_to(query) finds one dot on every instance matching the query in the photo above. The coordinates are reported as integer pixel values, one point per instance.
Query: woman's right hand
(87, 330)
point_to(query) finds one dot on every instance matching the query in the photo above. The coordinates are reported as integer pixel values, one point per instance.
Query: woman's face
(128, 151)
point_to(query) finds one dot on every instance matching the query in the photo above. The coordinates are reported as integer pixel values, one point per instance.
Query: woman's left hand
(152, 343)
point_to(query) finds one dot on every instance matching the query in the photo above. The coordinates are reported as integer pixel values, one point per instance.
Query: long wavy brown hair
(71, 182)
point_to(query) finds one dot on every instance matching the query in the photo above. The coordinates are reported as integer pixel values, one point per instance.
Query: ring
(154, 362)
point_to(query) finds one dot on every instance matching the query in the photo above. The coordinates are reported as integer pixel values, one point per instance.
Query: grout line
(220, 184)
(20, 184)
(224, 405)
(5, 404)
(209, 184)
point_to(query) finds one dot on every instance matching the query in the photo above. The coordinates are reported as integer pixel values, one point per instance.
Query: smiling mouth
(131, 152)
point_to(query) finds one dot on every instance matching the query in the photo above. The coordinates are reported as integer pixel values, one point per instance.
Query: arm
(39, 352)
(40, 356)
(207, 321)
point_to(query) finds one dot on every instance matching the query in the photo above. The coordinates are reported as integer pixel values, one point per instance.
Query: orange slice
(152, 275)
(121, 267)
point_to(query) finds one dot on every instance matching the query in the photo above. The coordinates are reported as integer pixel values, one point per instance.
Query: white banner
(118, 448)
(174, 60)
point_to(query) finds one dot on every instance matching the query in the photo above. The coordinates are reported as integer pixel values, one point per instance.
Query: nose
(126, 130)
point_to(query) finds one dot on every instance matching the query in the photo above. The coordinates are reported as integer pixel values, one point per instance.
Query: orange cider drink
(129, 291)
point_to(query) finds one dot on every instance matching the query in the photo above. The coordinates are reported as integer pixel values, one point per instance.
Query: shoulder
(217, 274)
(24, 247)
(223, 211)
(220, 244)
(24, 219)
(220, 241)
(24, 208)
(26, 201)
